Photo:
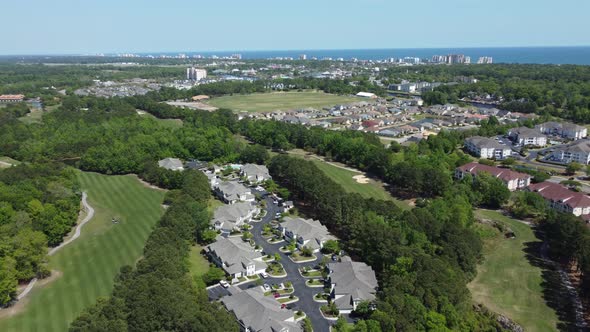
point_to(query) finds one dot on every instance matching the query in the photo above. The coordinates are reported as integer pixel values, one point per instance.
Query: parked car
(224, 283)
(266, 287)
(276, 295)
(264, 274)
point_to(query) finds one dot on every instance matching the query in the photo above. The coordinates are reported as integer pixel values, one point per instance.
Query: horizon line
(113, 53)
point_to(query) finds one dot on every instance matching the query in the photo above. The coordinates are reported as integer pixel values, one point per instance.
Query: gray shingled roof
(308, 229)
(236, 254)
(255, 171)
(486, 143)
(227, 215)
(354, 280)
(259, 312)
(232, 190)
(170, 163)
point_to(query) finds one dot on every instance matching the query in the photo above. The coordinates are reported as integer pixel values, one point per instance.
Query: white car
(224, 283)
(266, 287)
(264, 275)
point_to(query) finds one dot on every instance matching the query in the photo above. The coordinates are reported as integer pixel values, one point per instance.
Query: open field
(506, 282)
(172, 123)
(268, 102)
(88, 265)
(352, 181)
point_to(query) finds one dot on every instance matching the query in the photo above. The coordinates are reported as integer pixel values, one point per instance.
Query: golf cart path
(89, 214)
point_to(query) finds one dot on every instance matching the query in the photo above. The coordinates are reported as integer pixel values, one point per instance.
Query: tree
(341, 325)
(331, 247)
(277, 257)
(572, 168)
(213, 275)
(306, 251)
(8, 280)
(508, 161)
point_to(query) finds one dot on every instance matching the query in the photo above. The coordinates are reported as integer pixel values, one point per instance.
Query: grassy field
(371, 189)
(8, 162)
(173, 123)
(507, 283)
(198, 264)
(268, 102)
(89, 264)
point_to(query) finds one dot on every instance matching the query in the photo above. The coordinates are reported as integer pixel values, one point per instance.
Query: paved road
(304, 293)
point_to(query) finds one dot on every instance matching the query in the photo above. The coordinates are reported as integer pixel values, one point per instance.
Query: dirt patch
(361, 179)
(20, 306)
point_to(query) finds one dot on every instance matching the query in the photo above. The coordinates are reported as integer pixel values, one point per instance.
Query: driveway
(304, 293)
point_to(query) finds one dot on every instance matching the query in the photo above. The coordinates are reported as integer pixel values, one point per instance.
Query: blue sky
(93, 26)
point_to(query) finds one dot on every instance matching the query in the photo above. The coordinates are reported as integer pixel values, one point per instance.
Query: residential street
(304, 293)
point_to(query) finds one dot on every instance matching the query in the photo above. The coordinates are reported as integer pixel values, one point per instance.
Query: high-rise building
(467, 60)
(303, 57)
(195, 74)
(485, 60)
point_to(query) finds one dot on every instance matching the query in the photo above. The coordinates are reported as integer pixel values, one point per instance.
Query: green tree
(573, 167)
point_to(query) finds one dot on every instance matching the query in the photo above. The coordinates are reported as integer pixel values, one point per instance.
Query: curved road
(89, 214)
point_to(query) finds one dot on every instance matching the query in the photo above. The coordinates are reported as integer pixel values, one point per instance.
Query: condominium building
(527, 136)
(563, 129)
(578, 151)
(195, 74)
(487, 148)
(511, 179)
(562, 199)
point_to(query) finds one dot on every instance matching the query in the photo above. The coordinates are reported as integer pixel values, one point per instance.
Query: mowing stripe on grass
(90, 263)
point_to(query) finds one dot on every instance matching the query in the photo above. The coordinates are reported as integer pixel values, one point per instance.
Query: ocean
(579, 55)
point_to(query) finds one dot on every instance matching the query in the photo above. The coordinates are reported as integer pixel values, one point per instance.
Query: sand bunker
(361, 179)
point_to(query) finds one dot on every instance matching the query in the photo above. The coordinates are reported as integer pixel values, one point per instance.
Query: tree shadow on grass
(555, 293)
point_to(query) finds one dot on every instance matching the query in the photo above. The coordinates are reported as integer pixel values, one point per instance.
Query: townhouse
(231, 192)
(228, 218)
(511, 179)
(351, 283)
(255, 173)
(256, 312)
(306, 232)
(237, 258)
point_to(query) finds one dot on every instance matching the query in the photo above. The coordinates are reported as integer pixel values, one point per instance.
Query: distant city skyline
(140, 26)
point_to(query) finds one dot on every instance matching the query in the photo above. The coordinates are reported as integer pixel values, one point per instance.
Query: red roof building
(562, 199)
(513, 180)
(11, 98)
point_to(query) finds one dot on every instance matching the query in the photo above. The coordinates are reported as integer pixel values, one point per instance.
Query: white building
(578, 151)
(527, 136)
(195, 74)
(565, 130)
(487, 148)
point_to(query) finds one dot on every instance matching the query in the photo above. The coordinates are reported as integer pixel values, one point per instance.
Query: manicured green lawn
(507, 283)
(89, 264)
(199, 265)
(344, 177)
(268, 102)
